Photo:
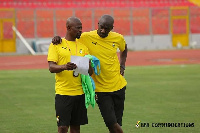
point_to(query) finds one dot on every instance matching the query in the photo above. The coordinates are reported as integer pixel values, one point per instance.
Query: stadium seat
(61, 17)
(85, 16)
(122, 21)
(51, 15)
(91, 3)
(194, 20)
(25, 22)
(141, 21)
(160, 21)
(6, 14)
(26, 28)
(7, 32)
(179, 26)
(45, 26)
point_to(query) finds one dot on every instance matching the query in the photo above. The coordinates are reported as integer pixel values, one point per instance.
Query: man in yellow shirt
(69, 100)
(110, 84)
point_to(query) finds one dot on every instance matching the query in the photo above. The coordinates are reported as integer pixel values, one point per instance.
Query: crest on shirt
(113, 44)
(81, 51)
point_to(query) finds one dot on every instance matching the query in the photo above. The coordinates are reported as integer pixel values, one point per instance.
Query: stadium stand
(122, 20)
(91, 3)
(195, 20)
(44, 21)
(25, 20)
(33, 18)
(61, 15)
(160, 21)
(85, 16)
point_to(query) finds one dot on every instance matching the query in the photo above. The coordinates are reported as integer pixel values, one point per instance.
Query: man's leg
(119, 98)
(63, 129)
(115, 128)
(74, 129)
(63, 106)
(79, 114)
(106, 106)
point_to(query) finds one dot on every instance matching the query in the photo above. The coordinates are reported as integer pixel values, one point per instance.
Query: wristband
(122, 66)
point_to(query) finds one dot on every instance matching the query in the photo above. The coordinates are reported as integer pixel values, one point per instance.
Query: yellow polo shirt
(105, 49)
(66, 83)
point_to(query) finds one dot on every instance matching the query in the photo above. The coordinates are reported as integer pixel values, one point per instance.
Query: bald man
(69, 100)
(110, 84)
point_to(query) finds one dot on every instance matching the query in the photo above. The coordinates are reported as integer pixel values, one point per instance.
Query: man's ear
(68, 27)
(112, 27)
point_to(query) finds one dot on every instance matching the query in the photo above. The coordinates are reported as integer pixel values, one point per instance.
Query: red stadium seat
(122, 21)
(92, 3)
(62, 9)
(195, 20)
(85, 16)
(26, 28)
(25, 22)
(141, 22)
(61, 17)
(160, 21)
(45, 23)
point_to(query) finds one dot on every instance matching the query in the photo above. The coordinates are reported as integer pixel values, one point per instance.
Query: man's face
(104, 29)
(77, 30)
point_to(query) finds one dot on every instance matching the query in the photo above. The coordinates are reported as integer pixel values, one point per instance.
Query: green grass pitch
(154, 94)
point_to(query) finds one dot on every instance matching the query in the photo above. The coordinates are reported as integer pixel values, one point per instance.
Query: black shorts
(70, 110)
(111, 106)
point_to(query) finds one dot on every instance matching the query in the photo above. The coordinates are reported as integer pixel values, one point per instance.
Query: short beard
(78, 37)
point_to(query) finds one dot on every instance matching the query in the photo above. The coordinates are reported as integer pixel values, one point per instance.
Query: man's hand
(90, 71)
(54, 68)
(56, 40)
(70, 66)
(122, 71)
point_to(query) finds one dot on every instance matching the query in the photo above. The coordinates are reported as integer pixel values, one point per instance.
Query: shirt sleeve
(122, 44)
(52, 53)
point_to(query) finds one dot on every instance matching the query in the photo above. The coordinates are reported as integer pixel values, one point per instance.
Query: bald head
(105, 25)
(72, 20)
(74, 28)
(107, 19)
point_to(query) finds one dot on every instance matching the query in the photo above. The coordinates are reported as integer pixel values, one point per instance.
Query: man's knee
(74, 129)
(63, 129)
(115, 128)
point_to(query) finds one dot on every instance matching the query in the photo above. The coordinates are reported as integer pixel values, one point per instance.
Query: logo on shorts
(96, 97)
(57, 118)
(137, 124)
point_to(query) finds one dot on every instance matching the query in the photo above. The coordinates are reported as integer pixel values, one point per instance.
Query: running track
(137, 58)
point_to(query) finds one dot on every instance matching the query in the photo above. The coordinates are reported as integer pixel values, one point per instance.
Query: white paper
(82, 64)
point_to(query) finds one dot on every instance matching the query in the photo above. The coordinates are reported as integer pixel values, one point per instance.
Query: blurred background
(27, 26)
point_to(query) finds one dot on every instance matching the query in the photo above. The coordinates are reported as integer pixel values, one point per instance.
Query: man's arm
(54, 68)
(123, 56)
